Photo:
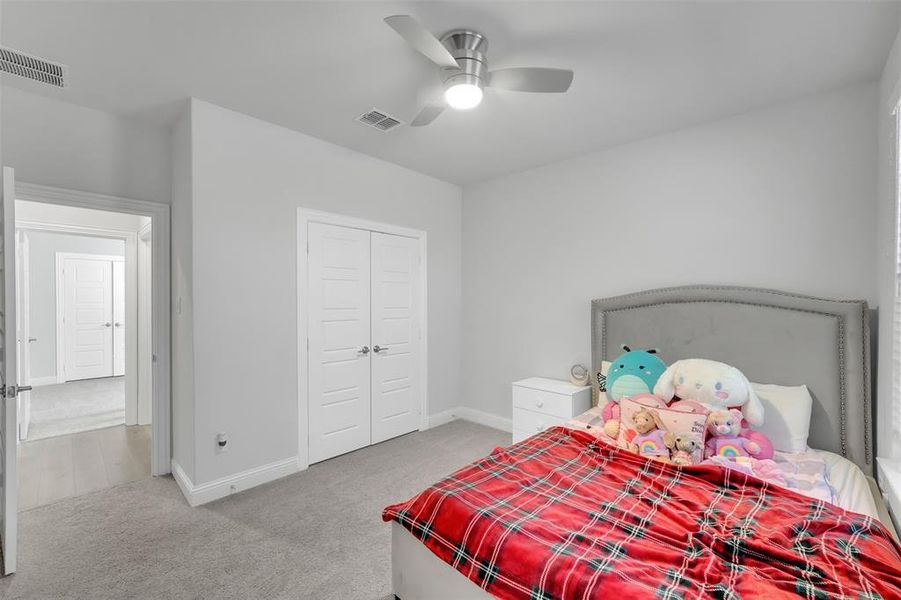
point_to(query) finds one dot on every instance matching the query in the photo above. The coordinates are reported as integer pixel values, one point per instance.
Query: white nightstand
(539, 403)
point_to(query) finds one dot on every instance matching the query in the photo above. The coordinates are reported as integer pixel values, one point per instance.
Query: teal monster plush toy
(632, 373)
(635, 372)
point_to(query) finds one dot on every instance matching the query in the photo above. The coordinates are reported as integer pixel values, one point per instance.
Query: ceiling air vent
(379, 119)
(33, 67)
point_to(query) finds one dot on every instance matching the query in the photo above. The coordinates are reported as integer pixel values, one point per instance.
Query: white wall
(889, 94)
(56, 143)
(42, 273)
(782, 198)
(249, 178)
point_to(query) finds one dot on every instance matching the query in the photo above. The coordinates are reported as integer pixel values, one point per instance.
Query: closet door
(395, 336)
(338, 334)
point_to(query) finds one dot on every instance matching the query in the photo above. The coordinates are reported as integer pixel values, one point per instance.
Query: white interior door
(23, 332)
(118, 318)
(338, 339)
(88, 320)
(8, 405)
(395, 336)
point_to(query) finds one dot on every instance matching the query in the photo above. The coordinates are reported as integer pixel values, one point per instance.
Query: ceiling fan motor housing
(468, 48)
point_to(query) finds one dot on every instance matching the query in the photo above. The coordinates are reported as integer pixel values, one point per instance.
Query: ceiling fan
(464, 68)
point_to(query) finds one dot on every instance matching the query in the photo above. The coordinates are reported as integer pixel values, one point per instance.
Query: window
(896, 317)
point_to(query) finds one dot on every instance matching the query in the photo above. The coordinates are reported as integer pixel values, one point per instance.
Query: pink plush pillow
(681, 418)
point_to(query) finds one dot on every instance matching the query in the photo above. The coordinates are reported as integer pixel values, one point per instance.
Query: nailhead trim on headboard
(600, 328)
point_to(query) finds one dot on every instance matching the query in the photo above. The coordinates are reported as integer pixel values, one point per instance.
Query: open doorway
(84, 281)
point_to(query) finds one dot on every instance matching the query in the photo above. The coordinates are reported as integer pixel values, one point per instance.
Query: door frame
(23, 329)
(145, 342)
(61, 349)
(159, 214)
(130, 239)
(306, 216)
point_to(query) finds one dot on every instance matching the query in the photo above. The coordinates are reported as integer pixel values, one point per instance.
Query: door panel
(118, 318)
(338, 327)
(88, 302)
(396, 384)
(8, 405)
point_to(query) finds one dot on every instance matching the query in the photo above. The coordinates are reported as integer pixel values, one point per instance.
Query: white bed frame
(706, 321)
(416, 573)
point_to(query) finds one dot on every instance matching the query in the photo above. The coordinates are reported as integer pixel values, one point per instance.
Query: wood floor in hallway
(70, 465)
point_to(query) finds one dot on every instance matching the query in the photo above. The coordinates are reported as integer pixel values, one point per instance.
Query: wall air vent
(33, 67)
(379, 119)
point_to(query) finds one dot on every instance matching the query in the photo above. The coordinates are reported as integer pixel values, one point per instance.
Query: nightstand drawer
(530, 423)
(541, 401)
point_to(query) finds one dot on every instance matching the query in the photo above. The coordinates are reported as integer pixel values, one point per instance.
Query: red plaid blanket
(564, 515)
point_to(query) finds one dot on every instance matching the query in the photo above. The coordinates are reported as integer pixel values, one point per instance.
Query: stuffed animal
(724, 427)
(634, 372)
(685, 449)
(759, 438)
(714, 384)
(649, 439)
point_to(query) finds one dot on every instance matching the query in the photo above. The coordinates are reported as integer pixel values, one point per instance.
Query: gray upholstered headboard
(772, 336)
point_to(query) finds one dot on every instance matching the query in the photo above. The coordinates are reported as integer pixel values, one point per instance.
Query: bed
(774, 337)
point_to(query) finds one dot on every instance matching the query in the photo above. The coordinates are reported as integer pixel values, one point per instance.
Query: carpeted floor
(316, 534)
(76, 406)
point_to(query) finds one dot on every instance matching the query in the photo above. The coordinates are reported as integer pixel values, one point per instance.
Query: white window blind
(896, 319)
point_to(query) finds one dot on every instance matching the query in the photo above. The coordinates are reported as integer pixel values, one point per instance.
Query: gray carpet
(316, 534)
(76, 406)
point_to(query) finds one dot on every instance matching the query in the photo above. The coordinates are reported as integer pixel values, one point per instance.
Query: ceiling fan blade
(422, 39)
(531, 79)
(427, 114)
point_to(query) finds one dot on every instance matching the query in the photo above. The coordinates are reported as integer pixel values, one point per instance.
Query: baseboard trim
(182, 480)
(39, 381)
(445, 416)
(473, 415)
(232, 484)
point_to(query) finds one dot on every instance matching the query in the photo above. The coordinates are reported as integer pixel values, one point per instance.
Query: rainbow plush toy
(650, 434)
(725, 440)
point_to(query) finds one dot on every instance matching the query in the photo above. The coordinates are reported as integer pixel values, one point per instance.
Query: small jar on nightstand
(539, 403)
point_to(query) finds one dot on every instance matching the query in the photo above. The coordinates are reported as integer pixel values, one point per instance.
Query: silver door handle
(378, 349)
(364, 350)
(32, 340)
(107, 324)
(10, 392)
(117, 324)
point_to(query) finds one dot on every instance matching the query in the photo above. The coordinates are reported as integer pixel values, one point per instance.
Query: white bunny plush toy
(714, 384)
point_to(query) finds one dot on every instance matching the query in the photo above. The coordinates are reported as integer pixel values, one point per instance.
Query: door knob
(378, 349)
(117, 324)
(107, 324)
(364, 350)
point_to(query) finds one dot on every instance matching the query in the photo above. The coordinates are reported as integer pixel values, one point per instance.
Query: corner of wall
(183, 437)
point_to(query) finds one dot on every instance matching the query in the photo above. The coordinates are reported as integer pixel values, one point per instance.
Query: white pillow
(786, 415)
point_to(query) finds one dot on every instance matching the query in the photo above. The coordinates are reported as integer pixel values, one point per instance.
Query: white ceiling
(641, 68)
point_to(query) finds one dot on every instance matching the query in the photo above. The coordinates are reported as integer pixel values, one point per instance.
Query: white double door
(93, 292)
(364, 383)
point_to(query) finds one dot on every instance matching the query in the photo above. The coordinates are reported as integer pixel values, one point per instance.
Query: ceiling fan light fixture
(463, 96)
